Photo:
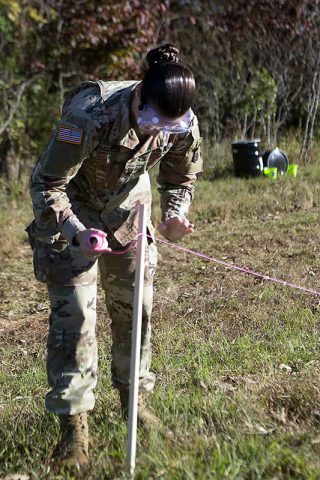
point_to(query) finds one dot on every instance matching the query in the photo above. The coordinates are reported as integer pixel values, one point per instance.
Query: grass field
(237, 359)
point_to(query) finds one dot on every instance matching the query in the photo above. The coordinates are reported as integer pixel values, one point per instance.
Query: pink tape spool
(96, 241)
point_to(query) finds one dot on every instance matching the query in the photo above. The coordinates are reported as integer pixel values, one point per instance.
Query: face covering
(150, 121)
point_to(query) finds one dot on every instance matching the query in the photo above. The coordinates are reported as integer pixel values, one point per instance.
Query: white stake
(136, 341)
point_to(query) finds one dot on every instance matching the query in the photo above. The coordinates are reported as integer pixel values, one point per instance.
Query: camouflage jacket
(95, 150)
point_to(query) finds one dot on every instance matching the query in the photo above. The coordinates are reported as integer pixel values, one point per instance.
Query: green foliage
(260, 94)
(55, 45)
(254, 61)
(12, 8)
(232, 46)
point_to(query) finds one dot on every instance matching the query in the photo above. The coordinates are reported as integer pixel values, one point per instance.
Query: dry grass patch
(295, 397)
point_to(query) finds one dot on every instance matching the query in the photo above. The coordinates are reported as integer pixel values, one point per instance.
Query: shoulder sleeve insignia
(69, 135)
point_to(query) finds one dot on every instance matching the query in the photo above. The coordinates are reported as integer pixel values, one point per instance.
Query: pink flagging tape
(122, 252)
(236, 267)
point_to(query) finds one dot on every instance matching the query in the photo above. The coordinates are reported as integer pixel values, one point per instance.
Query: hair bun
(167, 53)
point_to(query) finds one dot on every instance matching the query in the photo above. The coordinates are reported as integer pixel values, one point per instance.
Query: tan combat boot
(146, 419)
(72, 449)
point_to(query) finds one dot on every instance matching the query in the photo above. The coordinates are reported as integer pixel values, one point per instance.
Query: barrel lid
(254, 142)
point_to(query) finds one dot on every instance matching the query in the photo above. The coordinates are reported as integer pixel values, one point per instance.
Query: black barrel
(276, 158)
(246, 158)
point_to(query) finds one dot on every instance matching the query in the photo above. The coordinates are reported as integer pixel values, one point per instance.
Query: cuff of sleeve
(180, 211)
(71, 227)
(167, 215)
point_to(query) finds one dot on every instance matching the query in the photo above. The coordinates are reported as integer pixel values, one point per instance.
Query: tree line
(256, 62)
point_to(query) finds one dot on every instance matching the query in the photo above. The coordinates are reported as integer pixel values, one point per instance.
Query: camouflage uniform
(93, 174)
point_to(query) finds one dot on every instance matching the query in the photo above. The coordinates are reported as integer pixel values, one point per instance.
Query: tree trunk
(9, 160)
(313, 105)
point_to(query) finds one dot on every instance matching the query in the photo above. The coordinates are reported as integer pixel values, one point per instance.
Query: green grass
(236, 358)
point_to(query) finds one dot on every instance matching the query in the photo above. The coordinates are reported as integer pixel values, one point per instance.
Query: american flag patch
(69, 135)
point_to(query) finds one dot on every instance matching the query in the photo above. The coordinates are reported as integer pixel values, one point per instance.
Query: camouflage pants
(72, 346)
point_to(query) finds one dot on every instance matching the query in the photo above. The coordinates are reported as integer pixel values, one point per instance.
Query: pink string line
(232, 266)
(129, 247)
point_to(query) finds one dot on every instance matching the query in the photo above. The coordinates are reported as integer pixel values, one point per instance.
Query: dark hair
(168, 84)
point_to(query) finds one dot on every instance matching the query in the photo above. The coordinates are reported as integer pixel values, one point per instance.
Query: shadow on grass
(218, 172)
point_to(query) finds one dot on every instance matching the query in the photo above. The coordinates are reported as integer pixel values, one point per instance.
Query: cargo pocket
(63, 264)
(52, 262)
(83, 269)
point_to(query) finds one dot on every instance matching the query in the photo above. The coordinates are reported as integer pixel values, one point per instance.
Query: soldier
(93, 175)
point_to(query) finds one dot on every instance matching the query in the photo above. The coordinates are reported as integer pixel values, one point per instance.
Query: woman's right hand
(81, 238)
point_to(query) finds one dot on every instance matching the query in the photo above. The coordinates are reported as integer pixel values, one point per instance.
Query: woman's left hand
(175, 228)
